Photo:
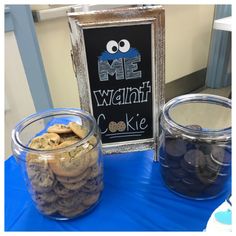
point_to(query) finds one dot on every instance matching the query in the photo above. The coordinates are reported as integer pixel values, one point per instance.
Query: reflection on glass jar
(59, 151)
(195, 154)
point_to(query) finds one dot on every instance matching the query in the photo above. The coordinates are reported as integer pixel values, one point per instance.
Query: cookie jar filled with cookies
(195, 150)
(59, 151)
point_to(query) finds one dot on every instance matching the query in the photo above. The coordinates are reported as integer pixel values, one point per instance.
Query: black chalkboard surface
(118, 58)
(120, 76)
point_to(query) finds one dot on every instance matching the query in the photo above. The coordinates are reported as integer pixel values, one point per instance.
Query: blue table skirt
(134, 199)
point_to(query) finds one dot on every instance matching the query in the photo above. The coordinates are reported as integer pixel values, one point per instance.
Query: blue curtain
(219, 61)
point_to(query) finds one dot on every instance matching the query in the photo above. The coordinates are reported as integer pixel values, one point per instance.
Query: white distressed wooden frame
(153, 15)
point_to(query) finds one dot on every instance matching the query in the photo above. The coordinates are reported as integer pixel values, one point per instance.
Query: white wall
(17, 93)
(55, 46)
(188, 34)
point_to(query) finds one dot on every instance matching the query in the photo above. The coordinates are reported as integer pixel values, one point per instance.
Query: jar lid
(183, 114)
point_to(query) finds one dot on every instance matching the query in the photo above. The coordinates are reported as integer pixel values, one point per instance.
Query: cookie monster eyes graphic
(113, 46)
(118, 50)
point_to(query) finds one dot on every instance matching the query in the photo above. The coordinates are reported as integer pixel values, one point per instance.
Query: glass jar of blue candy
(195, 150)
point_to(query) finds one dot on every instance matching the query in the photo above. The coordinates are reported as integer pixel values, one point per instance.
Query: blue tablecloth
(134, 199)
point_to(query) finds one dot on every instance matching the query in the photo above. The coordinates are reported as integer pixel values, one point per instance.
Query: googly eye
(124, 45)
(112, 46)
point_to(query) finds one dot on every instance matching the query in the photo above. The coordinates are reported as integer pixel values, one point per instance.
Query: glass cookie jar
(195, 150)
(59, 151)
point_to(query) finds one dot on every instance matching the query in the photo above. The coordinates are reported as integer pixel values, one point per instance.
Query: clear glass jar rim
(189, 98)
(47, 113)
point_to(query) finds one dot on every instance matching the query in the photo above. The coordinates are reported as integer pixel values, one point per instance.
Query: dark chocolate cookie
(173, 163)
(221, 156)
(163, 162)
(178, 172)
(215, 167)
(170, 180)
(206, 176)
(205, 148)
(193, 184)
(213, 190)
(211, 165)
(175, 148)
(193, 159)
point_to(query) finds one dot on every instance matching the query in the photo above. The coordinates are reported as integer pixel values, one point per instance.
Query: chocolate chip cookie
(47, 209)
(63, 192)
(72, 213)
(91, 199)
(76, 179)
(57, 178)
(93, 185)
(74, 186)
(45, 142)
(69, 137)
(40, 175)
(69, 166)
(44, 198)
(70, 203)
(59, 129)
(78, 129)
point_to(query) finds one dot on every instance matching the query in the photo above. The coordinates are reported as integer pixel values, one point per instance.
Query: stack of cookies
(193, 168)
(67, 179)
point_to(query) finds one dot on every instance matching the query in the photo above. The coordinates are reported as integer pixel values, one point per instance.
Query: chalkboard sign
(118, 57)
